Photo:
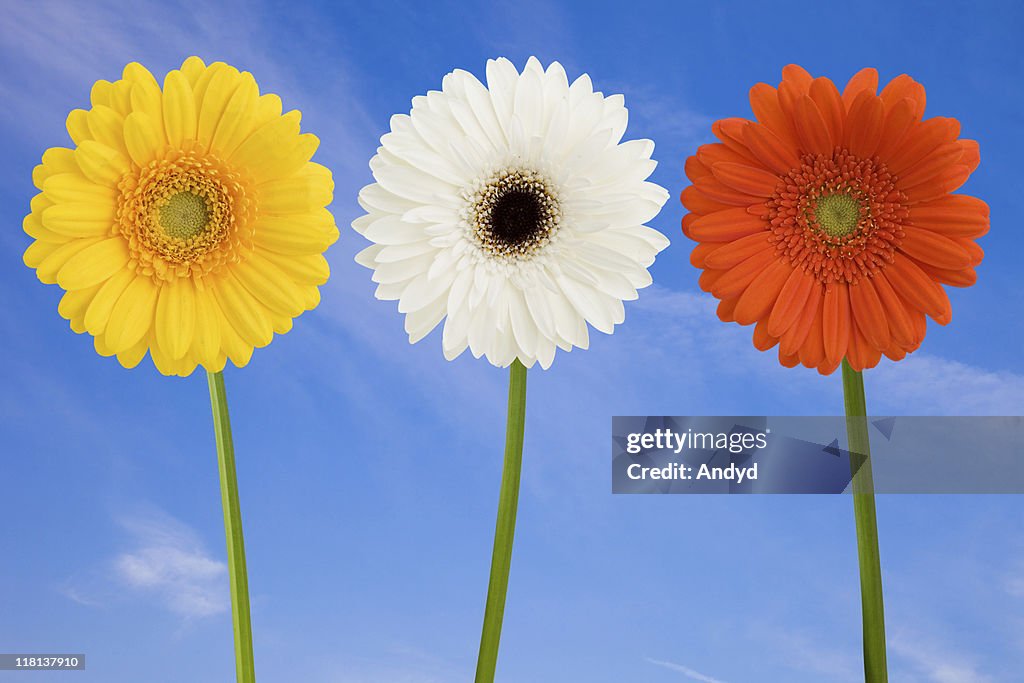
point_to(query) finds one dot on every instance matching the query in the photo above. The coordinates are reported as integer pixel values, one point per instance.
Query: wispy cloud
(169, 562)
(685, 671)
(937, 663)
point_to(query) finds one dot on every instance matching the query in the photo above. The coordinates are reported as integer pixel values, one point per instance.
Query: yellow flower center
(184, 216)
(837, 214)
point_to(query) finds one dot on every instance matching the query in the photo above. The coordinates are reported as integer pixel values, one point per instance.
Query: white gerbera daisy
(513, 212)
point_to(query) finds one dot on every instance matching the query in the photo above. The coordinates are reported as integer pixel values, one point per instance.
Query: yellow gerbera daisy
(187, 221)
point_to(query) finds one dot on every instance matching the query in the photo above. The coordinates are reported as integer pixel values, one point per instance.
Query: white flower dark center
(514, 214)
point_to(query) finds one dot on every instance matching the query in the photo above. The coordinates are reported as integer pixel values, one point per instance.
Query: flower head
(188, 221)
(829, 221)
(512, 211)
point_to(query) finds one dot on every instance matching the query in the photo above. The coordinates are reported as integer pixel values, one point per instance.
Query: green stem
(505, 529)
(244, 668)
(872, 607)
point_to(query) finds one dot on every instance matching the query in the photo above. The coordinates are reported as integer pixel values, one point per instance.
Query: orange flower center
(838, 216)
(184, 216)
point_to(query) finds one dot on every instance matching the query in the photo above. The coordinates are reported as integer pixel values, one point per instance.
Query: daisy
(187, 220)
(830, 222)
(512, 211)
(515, 213)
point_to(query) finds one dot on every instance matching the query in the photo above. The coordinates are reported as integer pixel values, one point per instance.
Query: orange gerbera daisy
(829, 221)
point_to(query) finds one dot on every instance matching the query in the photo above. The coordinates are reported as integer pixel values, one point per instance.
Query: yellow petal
(132, 356)
(308, 233)
(243, 313)
(100, 92)
(94, 264)
(270, 285)
(176, 317)
(310, 189)
(101, 164)
(78, 125)
(121, 97)
(202, 85)
(60, 160)
(39, 203)
(238, 118)
(142, 138)
(107, 127)
(74, 187)
(269, 146)
(147, 99)
(80, 220)
(206, 339)
(137, 73)
(268, 108)
(73, 304)
(218, 90)
(51, 264)
(311, 269)
(179, 109)
(193, 68)
(132, 317)
(98, 313)
(33, 226)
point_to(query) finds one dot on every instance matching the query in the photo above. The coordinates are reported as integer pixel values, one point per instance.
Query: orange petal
(798, 76)
(764, 101)
(864, 125)
(836, 321)
(950, 180)
(935, 163)
(830, 103)
(734, 281)
(752, 181)
(899, 119)
(955, 215)
(708, 279)
(730, 132)
(812, 351)
(788, 361)
(723, 193)
(901, 87)
(898, 318)
(757, 300)
(793, 339)
(963, 277)
(725, 226)
(688, 220)
(865, 80)
(770, 149)
(711, 154)
(916, 288)
(725, 310)
(762, 340)
(698, 202)
(700, 253)
(790, 302)
(920, 142)
(972, 154)
(869, 313)
(732, 253)
(695, 169)
(811, 127)
(933, 248)
(973, 249)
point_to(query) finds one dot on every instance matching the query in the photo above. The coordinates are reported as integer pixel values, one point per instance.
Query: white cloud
(936, 663)
(168, 561)
(685, 671)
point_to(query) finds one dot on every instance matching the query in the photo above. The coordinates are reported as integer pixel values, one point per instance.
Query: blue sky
(369, 469)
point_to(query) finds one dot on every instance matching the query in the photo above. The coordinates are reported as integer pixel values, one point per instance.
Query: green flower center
(184, 215)
(837, 214)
